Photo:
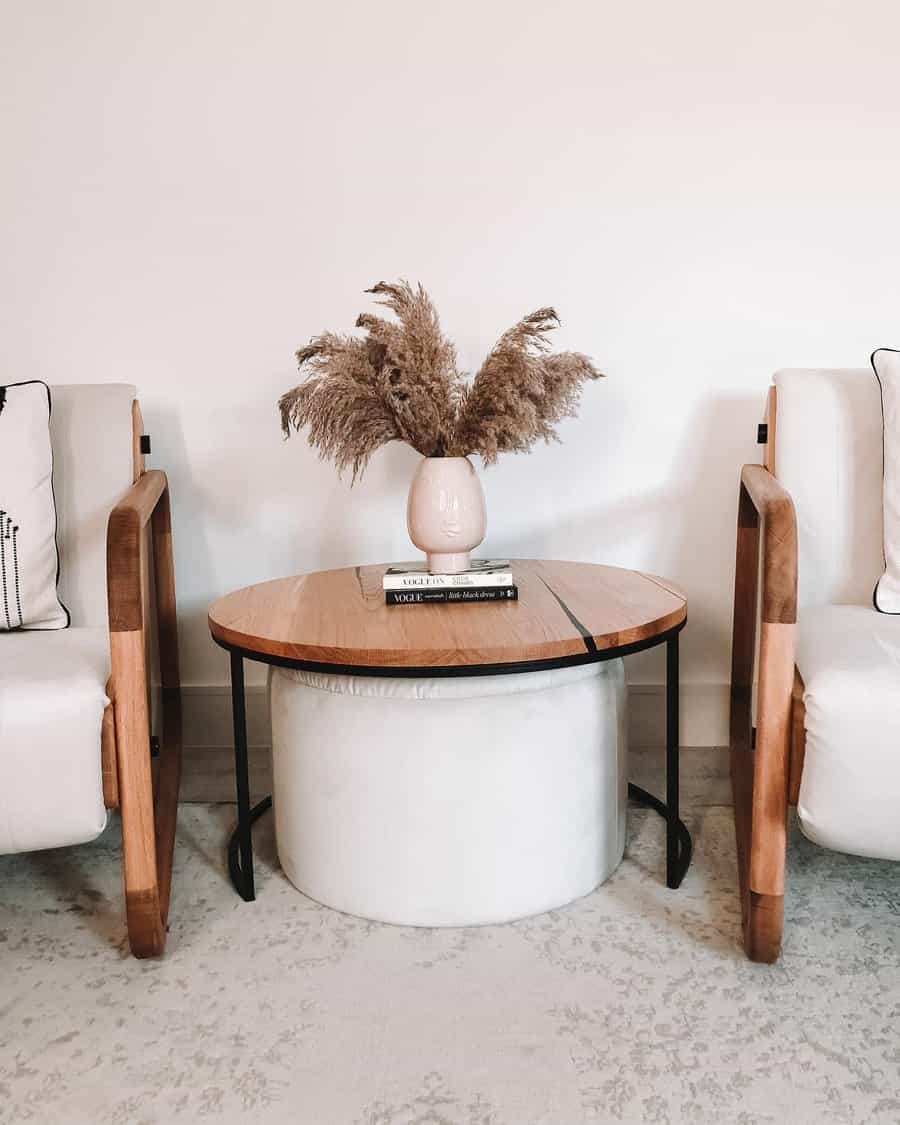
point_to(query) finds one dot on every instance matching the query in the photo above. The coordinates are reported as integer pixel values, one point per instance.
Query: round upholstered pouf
(449, 802)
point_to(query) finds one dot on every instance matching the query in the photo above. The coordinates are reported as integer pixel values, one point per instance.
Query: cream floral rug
(634, 1004)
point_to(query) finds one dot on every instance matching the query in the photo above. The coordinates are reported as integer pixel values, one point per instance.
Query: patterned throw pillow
(886, 365)
(29, 560)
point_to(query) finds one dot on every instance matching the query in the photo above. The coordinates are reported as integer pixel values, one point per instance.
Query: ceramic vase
(445, 513)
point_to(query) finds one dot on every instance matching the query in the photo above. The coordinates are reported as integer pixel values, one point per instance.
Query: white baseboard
(704, 716)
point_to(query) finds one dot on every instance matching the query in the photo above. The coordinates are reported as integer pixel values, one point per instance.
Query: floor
(634, 1004)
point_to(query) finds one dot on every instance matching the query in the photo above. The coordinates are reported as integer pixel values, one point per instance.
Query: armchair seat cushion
(52, 698)
(849, 658)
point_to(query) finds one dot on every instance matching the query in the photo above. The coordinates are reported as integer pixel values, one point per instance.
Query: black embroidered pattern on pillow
(9, 571)
(13, 569)
(9, 576)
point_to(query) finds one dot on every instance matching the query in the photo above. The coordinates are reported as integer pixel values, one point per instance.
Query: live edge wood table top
(567, 613)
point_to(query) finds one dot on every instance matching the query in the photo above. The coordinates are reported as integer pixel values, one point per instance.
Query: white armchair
(74, 710)
(828, 696)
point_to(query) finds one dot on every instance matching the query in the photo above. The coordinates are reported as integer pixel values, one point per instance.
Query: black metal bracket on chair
(762, 433)
(145, 443)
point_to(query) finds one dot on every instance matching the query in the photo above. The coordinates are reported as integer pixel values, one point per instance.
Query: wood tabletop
(338, 617)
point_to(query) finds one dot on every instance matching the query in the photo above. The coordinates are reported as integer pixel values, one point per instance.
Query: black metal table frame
(678, 840)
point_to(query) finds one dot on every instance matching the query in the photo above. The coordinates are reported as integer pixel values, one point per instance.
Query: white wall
(705, 191)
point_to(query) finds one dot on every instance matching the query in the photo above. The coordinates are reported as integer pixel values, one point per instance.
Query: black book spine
(456, 594)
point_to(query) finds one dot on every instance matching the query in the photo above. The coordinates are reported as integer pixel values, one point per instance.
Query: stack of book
(486, 580)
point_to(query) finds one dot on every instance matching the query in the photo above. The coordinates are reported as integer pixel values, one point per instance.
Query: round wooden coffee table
(336, 621)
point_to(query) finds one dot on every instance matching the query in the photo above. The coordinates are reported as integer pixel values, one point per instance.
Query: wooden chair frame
(766, 764)
(147, 803)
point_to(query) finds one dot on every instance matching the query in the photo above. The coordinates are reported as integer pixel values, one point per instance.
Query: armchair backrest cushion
(93, 465)
(828, 455)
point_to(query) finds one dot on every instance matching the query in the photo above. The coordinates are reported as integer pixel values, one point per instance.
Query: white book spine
(445, 581)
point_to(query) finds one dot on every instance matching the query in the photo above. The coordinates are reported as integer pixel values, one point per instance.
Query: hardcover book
(482, 573)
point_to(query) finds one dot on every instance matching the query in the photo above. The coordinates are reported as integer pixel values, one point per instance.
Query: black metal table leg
(674, 870)
(679, 847)
(240, 846)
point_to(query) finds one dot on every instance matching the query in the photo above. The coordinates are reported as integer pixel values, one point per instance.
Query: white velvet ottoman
(449, 801)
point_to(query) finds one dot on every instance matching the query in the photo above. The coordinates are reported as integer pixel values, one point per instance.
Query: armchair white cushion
(828, 455)
(53, 684)
(849, 659)
(52, 698)
(93, 465)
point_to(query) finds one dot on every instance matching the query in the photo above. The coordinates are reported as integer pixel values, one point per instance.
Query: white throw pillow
(886, 364)
(29, 560)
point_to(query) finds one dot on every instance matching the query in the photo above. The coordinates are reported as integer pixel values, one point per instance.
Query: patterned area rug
(634, 1004)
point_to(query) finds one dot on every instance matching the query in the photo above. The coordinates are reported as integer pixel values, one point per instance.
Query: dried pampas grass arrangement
(400, 382)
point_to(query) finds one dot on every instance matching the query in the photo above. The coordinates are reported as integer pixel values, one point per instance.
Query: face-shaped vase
(445, 514)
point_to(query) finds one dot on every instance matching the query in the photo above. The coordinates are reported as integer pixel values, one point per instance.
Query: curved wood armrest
(760, 777)
(123, 549)
(140, 500)
(763, 498)
(148, 823)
